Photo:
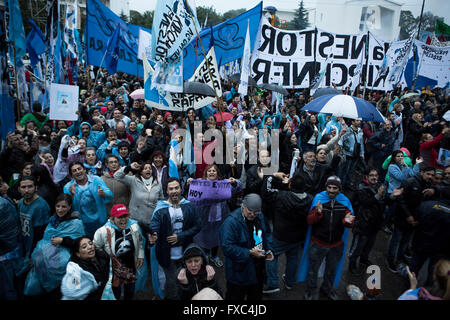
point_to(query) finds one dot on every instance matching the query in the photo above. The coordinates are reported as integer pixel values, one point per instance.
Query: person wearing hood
(173, 226)
(196, 274)
(110, 146)
(289, 225)
(121, 238)
(93, 138)
(52, 252)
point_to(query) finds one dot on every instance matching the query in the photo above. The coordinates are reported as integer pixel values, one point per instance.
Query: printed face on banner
(288, 57)
(63, 102)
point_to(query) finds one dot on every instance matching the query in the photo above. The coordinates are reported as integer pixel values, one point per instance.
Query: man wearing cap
(331, 213)
(245, 239)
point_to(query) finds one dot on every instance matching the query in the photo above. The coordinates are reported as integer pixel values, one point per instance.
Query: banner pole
(17, 84)
(207, 64)
(367, 66)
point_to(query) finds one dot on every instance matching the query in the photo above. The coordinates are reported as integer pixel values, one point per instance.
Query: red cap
(119, 210)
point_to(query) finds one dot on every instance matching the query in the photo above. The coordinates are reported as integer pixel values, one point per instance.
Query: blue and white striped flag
(173, 162)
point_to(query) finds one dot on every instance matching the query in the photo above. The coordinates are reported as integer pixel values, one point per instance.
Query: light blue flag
(112, 52)
(16, 29)
(154, 98)
(229, 39)
(174, 25)
(173, 168)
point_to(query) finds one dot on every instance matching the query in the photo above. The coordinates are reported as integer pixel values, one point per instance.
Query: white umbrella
(138, 94)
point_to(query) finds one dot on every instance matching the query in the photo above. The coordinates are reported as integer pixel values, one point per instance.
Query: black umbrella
(323, 91)
(237, 78)
(200, 88)
(274, 87)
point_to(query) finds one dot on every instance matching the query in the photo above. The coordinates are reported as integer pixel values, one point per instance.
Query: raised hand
(100, 192)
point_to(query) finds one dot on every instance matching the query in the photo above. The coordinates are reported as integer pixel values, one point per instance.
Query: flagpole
(17, 83)
(413, 85)
(209, 69)
(367, 66)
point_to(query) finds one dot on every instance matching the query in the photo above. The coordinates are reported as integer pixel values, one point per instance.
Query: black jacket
(99, 269)
(315, 183)
(410, 200)
(431, 237)
(290, 211)
(196, 282)
(368, 210)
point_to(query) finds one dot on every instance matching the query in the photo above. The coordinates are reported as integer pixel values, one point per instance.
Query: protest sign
(145, 44)
(185, 101)
(431, 67)
(208, 190)
(174, 26)
(228, 37)
(63, 102)
(168, 76)
(290, 56)
(163, 100)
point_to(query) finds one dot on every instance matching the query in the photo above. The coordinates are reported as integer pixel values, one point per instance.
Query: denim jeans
(171, 286)
(316, 255)
(398, 244)
(291, 250)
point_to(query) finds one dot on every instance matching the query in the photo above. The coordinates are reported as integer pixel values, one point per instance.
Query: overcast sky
(437, 7)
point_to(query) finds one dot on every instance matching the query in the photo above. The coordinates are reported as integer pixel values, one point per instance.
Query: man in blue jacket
(245, 239)
(90, 196)
(173, 226)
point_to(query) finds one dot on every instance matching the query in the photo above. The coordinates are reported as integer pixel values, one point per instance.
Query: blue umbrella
(341, 105)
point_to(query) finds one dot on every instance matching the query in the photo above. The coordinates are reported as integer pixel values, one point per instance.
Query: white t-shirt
(176, 216)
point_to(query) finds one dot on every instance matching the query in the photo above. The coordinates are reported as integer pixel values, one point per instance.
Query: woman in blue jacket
(52, 253)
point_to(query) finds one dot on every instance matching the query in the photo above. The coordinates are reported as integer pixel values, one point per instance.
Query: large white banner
(63, 102)
(163, 100)
(289, 56)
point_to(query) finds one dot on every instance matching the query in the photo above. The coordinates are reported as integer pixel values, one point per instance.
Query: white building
(118, 6)
(381, 17)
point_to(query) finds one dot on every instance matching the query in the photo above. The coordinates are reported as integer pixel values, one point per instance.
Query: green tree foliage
(408, 23)
(300, 20)
(144, 20)
(213, 17)
(232, 13)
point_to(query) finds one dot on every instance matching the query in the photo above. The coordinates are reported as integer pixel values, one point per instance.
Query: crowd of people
(91, 210)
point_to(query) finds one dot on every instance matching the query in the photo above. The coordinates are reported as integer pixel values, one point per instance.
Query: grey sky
(437, 7)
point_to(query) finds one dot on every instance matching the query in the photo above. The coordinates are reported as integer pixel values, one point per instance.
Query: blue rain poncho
(50, 261)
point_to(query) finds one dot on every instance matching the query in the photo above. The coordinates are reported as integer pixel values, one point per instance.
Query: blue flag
(58, 58)
(16, 30)
(35, 43)
(7, 122)
(100, 25)
(112, 52)
(229, 39)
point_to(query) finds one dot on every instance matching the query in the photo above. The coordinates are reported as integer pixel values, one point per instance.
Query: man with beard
(331, 213)
(313, 173)
(173, 226)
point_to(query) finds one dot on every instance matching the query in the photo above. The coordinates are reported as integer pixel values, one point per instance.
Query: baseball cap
(253, 202)
(119, 210)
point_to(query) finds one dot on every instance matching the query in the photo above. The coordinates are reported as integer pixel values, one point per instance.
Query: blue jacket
(236, 245)
(162, 225)
(397, 175)
(101, 152)
(91, 207)
(95, 138)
